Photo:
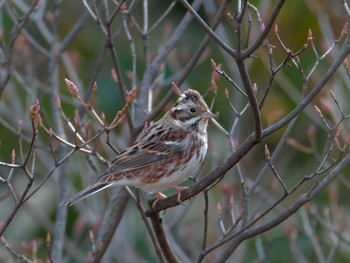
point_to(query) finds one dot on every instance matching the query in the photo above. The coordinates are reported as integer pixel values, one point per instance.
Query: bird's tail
(85, 193)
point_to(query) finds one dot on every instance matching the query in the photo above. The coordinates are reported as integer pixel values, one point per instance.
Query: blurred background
(62, 39)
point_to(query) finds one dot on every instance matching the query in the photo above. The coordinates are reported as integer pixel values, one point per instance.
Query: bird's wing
(137, 156)
(92, 189)
(146, 152)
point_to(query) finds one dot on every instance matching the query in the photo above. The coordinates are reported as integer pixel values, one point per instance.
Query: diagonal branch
(209, 31)
(241, 236)
(157, 224)
(251, 141)
(248, 52)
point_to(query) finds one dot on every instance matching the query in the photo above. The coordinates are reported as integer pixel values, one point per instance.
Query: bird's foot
(159, 196)
(179, 189)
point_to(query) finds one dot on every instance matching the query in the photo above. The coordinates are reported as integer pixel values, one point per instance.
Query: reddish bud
(213, 87)
(48, 240)
(267, 152)
(231, 17)
(309, 33)
(218, 208)
(297, 59)
(318, 111)
(345, 62)
(332, 95)
(72, 88)
(76, 118)
(326, 105)
(34, 110)
(276, 29)
(57, 100)
(309, 36)
(26, 246)
(213, 64)
(231, 201)
(161, 67)
(344, 31)
(35, 247)
(39, 120)
(311, 132)
(114, 75)
(226, 94)
(103, 117)
(227, 189)
(262, 26)
(215, 75)
(13, 155)
(37, 3)
(19, 126)
(255, 88)
(176, 89)
(49, 17)
(132, 95)
(91, 237)
(89, 257)
(123, 7)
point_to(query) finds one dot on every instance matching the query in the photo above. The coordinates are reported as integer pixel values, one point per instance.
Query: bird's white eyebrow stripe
(178, 108)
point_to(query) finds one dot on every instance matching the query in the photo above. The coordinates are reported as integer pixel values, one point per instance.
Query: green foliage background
(294, 21)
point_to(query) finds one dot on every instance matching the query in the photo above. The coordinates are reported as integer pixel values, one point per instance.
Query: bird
(163, 155)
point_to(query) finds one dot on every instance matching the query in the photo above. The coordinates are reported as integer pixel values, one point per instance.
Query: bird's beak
(208, 115)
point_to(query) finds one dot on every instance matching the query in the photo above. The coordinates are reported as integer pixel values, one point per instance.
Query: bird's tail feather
(85, 193)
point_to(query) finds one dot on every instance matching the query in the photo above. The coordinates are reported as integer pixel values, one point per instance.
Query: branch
(211, 178)
(162, 240)
(251, 97)
(248, 52)
(187, 70)
(160, 58)
(113, 215)
(315, 91)
(241, 236)
(14, 35)
(251, 141)
(210, 32)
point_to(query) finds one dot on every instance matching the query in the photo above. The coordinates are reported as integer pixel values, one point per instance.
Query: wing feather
(141, 155)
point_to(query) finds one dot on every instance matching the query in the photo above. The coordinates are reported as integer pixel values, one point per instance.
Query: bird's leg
(179, 189)
(159, 196)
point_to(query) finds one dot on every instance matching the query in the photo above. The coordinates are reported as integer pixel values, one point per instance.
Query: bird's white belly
(181, 173)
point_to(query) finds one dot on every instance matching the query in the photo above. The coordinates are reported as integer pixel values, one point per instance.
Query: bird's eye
(193, 110)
